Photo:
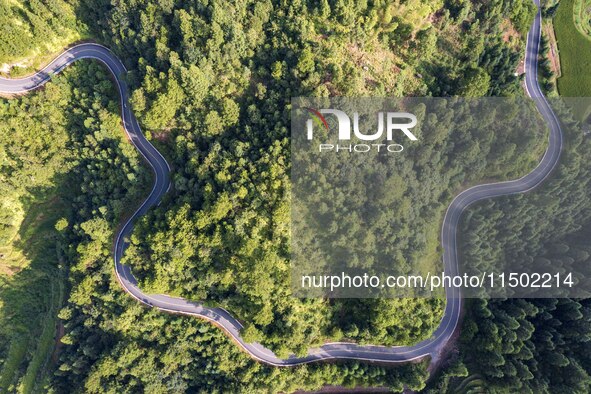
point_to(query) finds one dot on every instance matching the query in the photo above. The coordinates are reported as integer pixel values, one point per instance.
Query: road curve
(221, 317)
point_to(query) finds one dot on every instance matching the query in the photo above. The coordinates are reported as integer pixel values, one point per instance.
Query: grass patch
(16, 353)
(582, 17)
(575, 57)
(46, 340)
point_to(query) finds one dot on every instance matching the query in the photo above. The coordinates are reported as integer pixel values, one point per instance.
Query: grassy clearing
(575, 57)
(31, 296)
(16, 353)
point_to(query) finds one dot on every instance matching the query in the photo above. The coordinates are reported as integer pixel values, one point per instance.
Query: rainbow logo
(317, 117)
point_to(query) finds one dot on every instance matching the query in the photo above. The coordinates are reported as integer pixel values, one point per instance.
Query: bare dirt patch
(553, 55)
(520, 67)
(510, 35)
(375, 60)
(161, 136)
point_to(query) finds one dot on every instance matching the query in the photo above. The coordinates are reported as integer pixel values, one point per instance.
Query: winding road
(221, 317)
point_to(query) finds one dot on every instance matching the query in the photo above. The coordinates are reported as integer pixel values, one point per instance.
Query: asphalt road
(222, 318)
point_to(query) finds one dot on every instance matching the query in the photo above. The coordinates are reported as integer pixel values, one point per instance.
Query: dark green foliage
(211, 85)
(545, 74)
(525, 346)
(69, 168)
(519, 233)
(530, 345)
(213, 82)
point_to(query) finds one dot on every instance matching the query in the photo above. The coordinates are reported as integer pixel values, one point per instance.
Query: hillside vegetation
(219, 87)
(32, 31)
(212, 83)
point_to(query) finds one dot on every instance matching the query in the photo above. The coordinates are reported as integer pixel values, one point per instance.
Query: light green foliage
(32, 140)
(30, 28)
(165, 106)
(522, 13)
(582, 17)
(109, 338)
(219, 78)
(475, 84)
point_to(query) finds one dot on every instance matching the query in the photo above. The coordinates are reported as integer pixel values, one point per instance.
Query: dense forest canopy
(219, 87)
(212, 83)
(111, 342)
(373, 212)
